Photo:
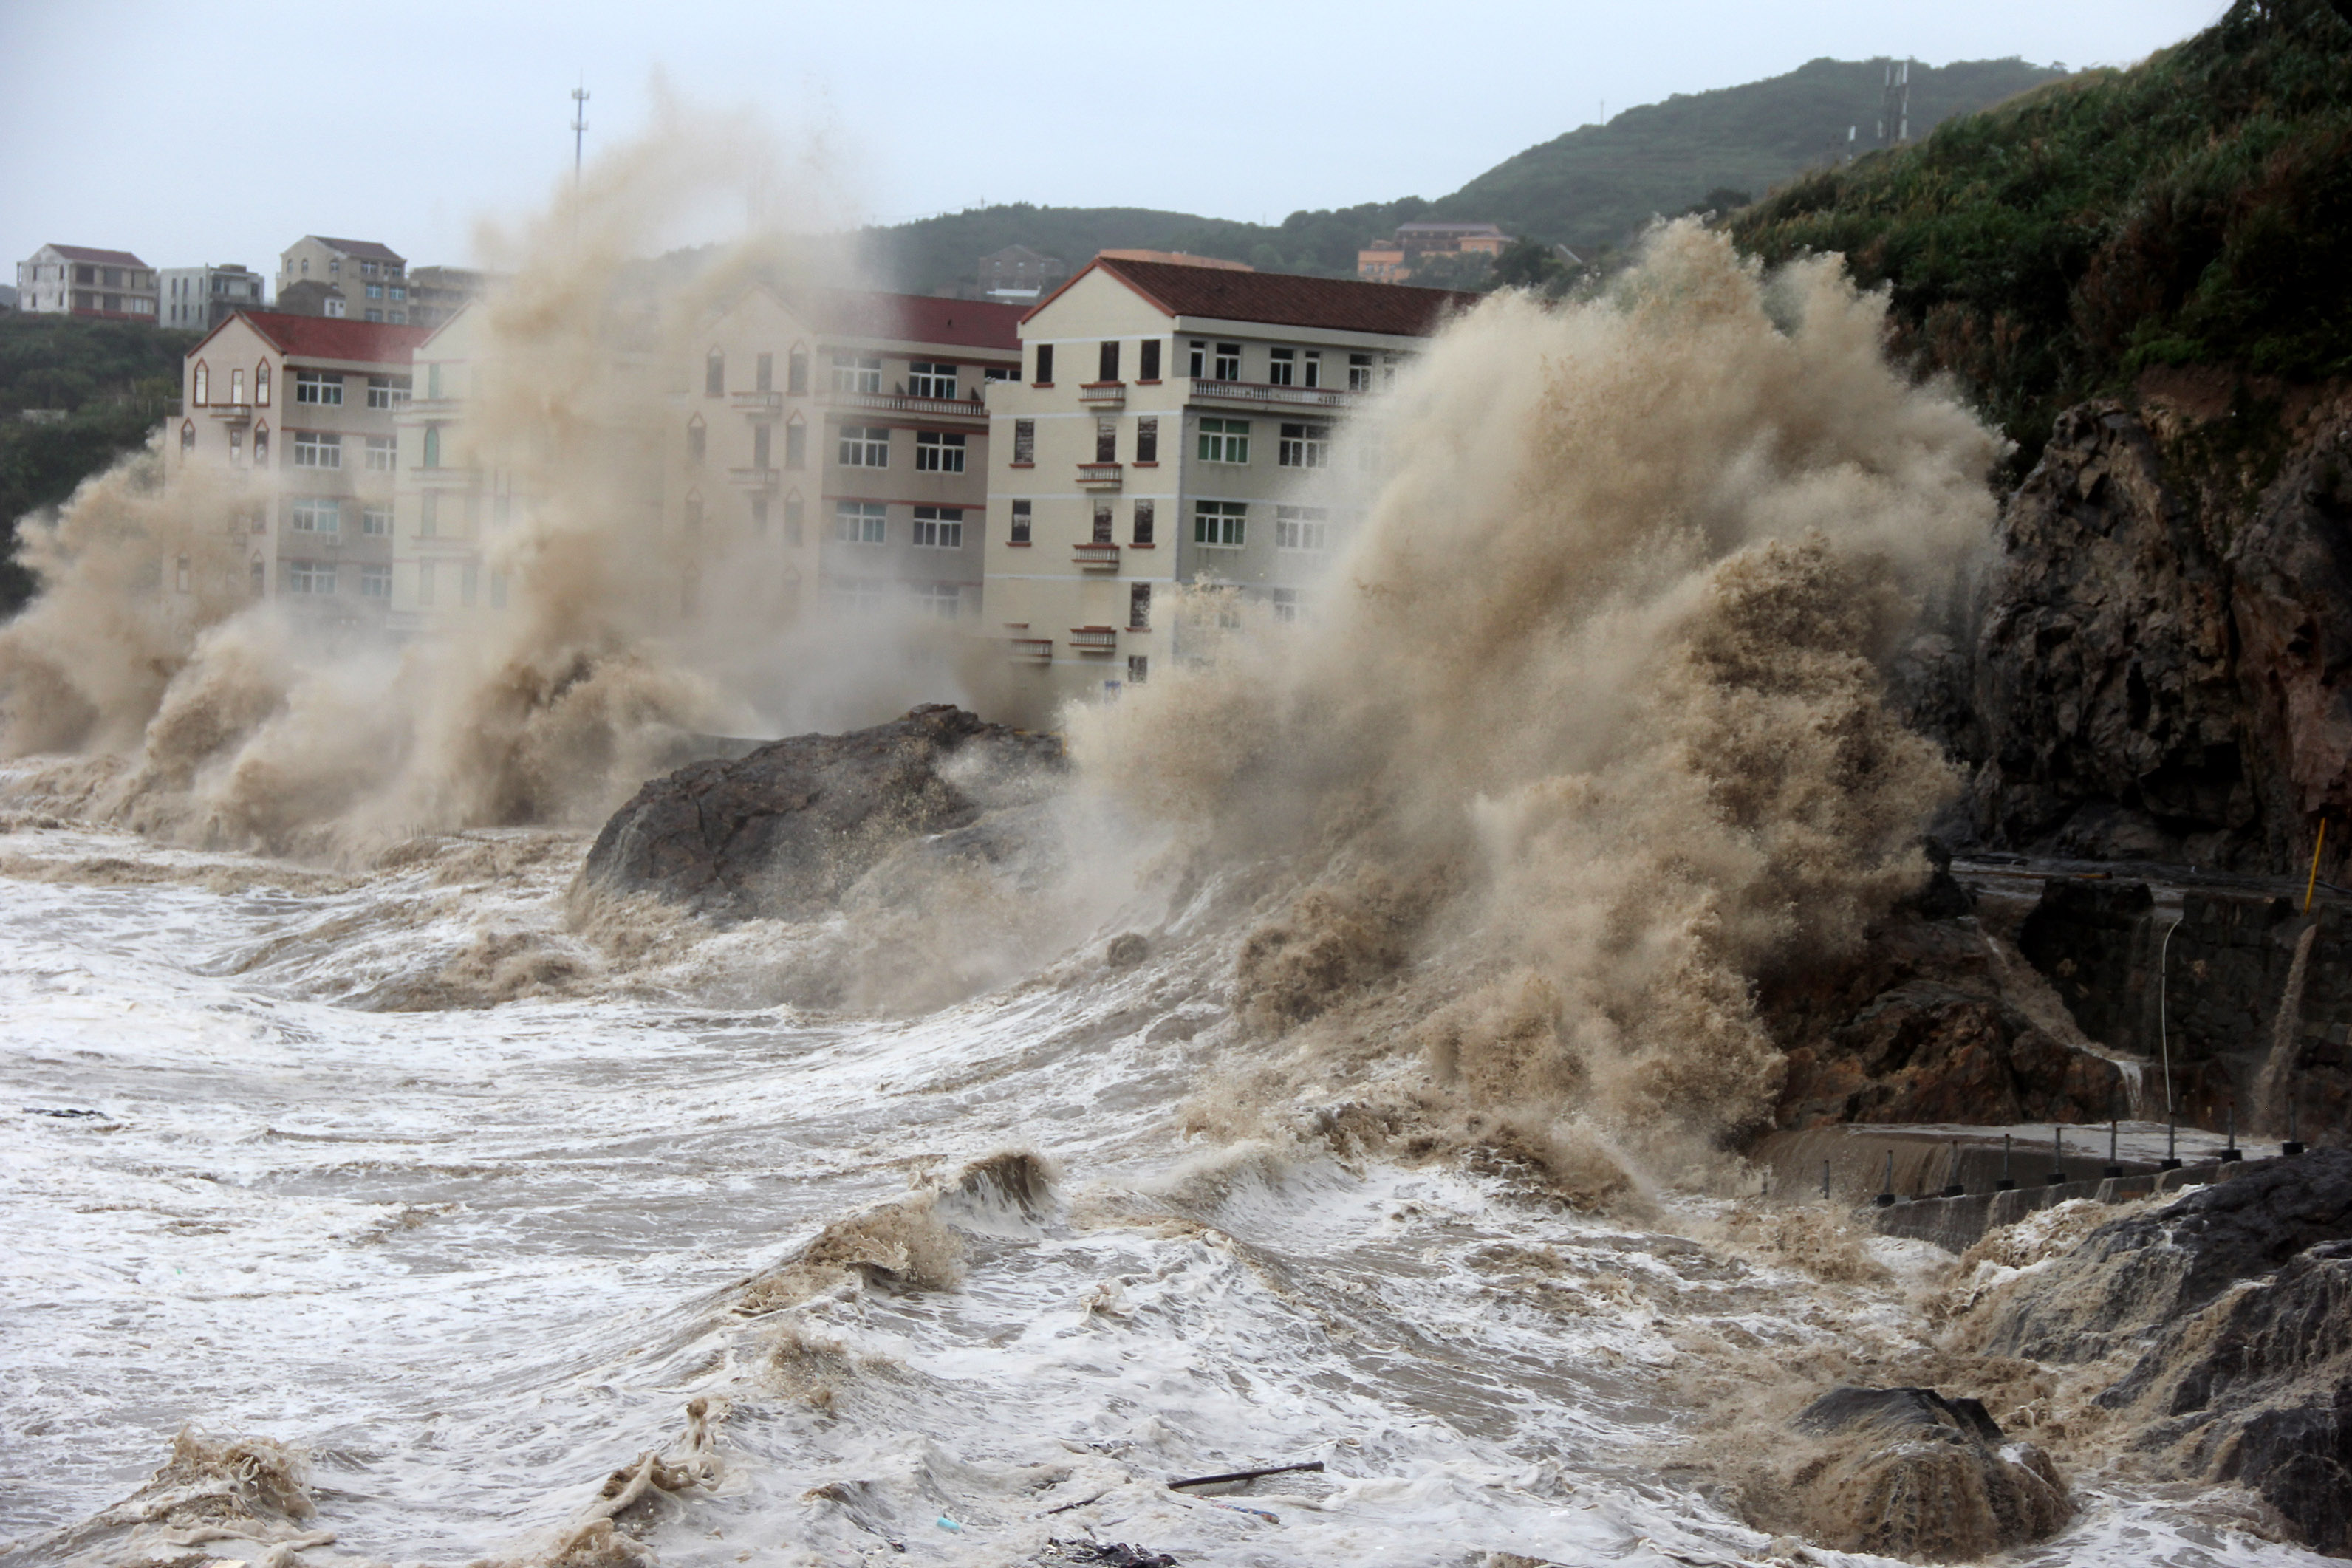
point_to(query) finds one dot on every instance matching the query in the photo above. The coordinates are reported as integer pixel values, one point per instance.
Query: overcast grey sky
(191, 133)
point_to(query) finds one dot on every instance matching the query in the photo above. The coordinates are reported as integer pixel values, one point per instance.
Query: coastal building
(1017, 275)
(76, 280)
(309, 404)
(1175, 427)
(844, 436)
(1395, 260)
(371, 278)
(199, 298)
(435, 293)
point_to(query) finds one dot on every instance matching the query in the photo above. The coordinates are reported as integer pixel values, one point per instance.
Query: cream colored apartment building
(372, 278)
(78, 280)
(1175, 427)
(309, 404)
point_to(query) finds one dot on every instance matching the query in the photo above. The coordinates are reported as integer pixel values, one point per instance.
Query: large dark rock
(1906, 1472)
(2236, 1303)
(788, 830)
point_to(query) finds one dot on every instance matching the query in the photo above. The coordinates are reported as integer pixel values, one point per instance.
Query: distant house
(75, 280)
(1393, 260)
(1018, 274)
(199, 298)
(312, 298)
(435, 293)
(372, 278)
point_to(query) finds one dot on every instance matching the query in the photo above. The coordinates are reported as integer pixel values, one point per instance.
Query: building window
(714, 374)
(1304, 446)
(1359, 373)
(941, 601)
(313, 516)
(187, 435)
(1224, 440)
(1001, 373)
(796, 373)
(376, 582)
(310, 577)
(1024, 443)
(796, 446)
(1139, 669)
(793, 512)
(697, 440)
(469, 577)
(1301, 527)
(1143, 522)
(260, 571)
(431, 446)
(1139, 607)
(383, 453)
(759, 516)
(261, 447)
(865, 447)
(387, 391)
(376, 291)
(236, 446)
(261, 385)
(425, 575)
(857, 595)
(1310, 366)
(181, 572)
(1147, 439)
(1282, 367)
(315, 449)
(939, 452)
(1020, 523)
(398, 293)
(1147, 351)
(856, 373)
(691, 510)
(1107, 367)
(939, 528)
(763, 438)
(932, 378)
(860, 522)
(1220, 524)
(1045, 364)
(1229, 363)
(1286, 604)
(375, 522)
(1102, 523)
(321, 387)
(203, 379)
(763, 373)
(433, 382)
(1199, 367)
(1105, 440)
(237, 386)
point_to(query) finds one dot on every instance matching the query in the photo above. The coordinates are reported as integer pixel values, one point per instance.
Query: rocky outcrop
(1920, 1026)
(1906, 1472)
(2236, 1303)
(789, 828)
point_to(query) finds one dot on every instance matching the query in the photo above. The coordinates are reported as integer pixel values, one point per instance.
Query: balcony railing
(1103, 394)
(437, 407)
(1098, 475)
(1097, 557)
(753, 478)
(1038, 650)
(1261, 394)
(446, 478)
(233, 412)
(894, 403)
(759, 401)
(1095, 639)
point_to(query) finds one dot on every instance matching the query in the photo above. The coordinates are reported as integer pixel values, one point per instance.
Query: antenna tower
(579, 126)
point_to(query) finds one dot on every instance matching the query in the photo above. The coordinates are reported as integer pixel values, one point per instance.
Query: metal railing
(1261, 392)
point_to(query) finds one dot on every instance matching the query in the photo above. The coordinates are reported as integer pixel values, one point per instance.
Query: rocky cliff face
(2159, 663)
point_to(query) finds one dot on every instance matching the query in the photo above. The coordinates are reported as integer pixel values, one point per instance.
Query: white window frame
(323, 388)
(865, 447)
(861, 522)
(387, 391)
(306, 511)
(375, 522)
(1304, 444)
(860, 373)
(383, 453)
(932, 378)
(1228, 362)
(1281, 367)
(1225, 440)
(1359, 373)
(318, 449)
(1228, 521)
(1306, 529)
(376, 582)
(939, 528)
(938, 600)
(939, 452)
(310, 577)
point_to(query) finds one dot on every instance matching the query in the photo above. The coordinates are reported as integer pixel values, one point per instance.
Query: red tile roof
(367, 249)
(110, 257)
(1281, 298)
(921, 318)
(327, 338)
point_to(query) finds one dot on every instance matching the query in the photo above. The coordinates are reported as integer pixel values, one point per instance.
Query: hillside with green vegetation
(94, 390)
(2195, 211)
(1590, 188)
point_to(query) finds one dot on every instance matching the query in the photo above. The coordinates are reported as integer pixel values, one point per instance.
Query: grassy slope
(113, 380)
(1589, 188)
(2195, 210)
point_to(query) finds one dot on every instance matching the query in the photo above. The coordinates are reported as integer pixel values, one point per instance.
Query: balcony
(1095, 639)
(430, 407)
(1103, 394)
(233, 412)
(1258, 395)
(753, 478)
(1100, 557)
(445, 477)
(758, 402)
(1098, 476)
(970, 408)
(1032, 650)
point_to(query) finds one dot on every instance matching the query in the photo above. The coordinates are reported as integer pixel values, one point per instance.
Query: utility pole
(579, 127)
(1895, 106)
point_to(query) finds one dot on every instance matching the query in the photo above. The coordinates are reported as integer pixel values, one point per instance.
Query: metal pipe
(2005, 1184)
(1886, 1194)
(2057, 1155)
(2163, 1024)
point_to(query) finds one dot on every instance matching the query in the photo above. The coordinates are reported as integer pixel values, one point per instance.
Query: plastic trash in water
(949, 1524)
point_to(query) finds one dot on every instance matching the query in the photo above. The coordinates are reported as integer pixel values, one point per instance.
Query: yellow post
(2310, 886)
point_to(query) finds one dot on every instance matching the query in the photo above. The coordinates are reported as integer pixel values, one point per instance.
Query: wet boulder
(1906, 1472)
(788, 830)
